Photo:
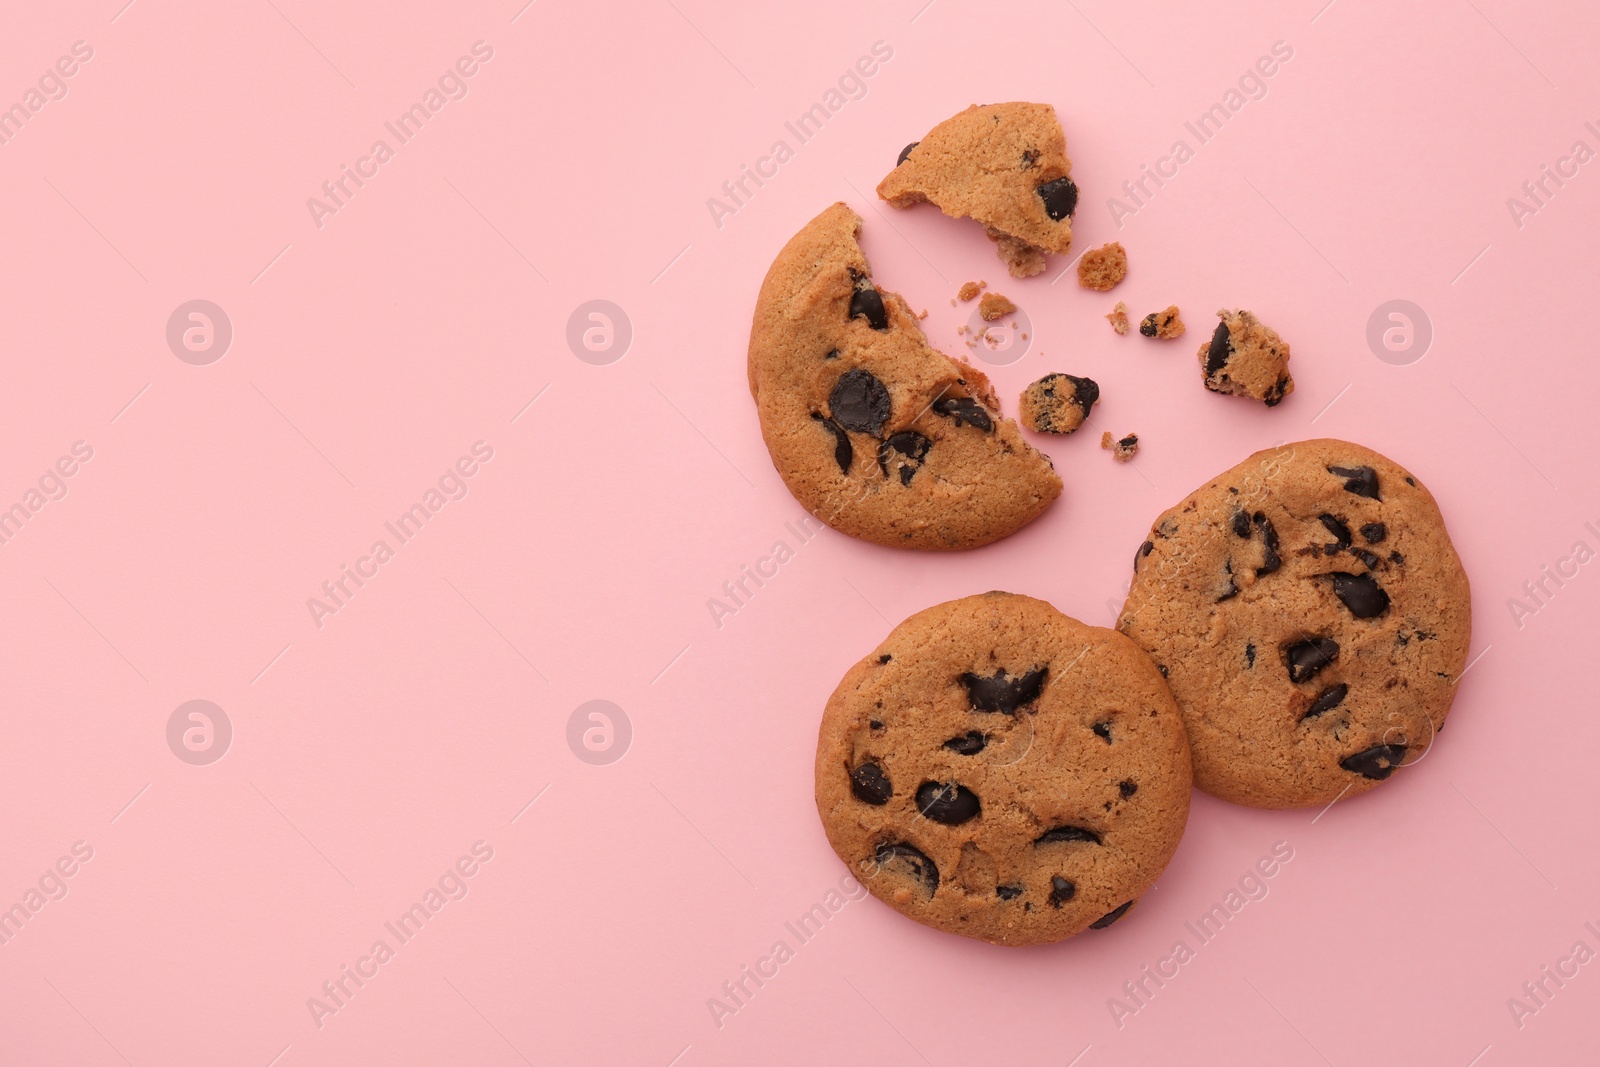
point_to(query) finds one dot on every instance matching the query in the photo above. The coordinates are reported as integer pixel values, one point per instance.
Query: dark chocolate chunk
(1003, 693)
(1250, 654)
(1241, 524)
(1111, 916)
(859, 402)
(910, 862)
(906, 151)
(1217, 354)
(885, 658)
(843, 453)
(1060, 198)
(1274, 396)
(1306, 658)
(1008, 892)
(947, 802)
(1369, 559)
(867, 303)
(1103, 729)
(1327, 700)
(964, 409)
(1374, 532)
(1270, 560)
(1144, 550)
(1147, 325)
(906, 450)
(1127, 789)
(1067, 833)
(1362, 481)
(870, 784)
(876, 724)
(1337, 528)
(1085, 391)
(1358, 592)
(968, 744)
(1377, 762)
(1061, 891)
(1397, 559)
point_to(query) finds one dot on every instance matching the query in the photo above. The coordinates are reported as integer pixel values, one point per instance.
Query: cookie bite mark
(1002, 165)
(1246, 357)
(1057, 403)
(1102, 268)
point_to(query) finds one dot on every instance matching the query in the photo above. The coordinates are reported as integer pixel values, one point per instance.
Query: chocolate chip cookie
(1057, 403)
(1004, 165)
(873, 431)
(1312, 619)
(1001, 771)
(1246, 357)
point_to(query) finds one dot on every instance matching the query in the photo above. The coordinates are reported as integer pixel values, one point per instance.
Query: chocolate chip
(1111, 916)
(1250, 654)
(1370, 559)
(1241, 524)
(859, 402)
(964, 409)
(1410, 480)
(1396, 558)
(968, 744)
(1337, 528)
(1103, 729)
(1067, 833)
(1377, 762)
(1147, 325)
(833, 353)
(1306, 658)
(876, 724)
(1003, 693)
(1060, 198)
(906, 151)
(1362, 481)
(1085, 391)
(1008, 892)
(1270, 560)
(1129, 441)
(1327, 700)
(1274, 396)
(1127, 789)
(1374, 532)
(947, 802)
(906, 449)
(843, 453)
(1217, 354)
(1358, 592)
(910, 862)
(870, 784)
(1144, 550)
(1061, 891)
(885, 658)
(867, 303)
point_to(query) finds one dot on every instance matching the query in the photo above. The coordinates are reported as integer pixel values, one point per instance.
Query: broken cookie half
(1004, 165)
(874, 431)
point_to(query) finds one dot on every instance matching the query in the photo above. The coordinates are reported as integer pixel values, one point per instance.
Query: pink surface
(395, 745)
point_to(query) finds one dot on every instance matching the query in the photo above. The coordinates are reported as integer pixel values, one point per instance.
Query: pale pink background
(368, 355)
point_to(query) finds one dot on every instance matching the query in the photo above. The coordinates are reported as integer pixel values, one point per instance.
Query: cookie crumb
(994, 305)
(969, 291)
(1122, 449)
(1246, 357)
(1163, 324)
(1119, 317)
(1102, 268)
(1057, 403)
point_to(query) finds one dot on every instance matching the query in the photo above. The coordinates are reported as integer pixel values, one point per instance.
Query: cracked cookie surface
(874, 431)
(1001, 771)
(1312, 619)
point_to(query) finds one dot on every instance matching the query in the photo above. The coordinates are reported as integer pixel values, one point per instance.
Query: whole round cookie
(1001, 771)
(1312, 619)
(875, 432)
(1004, 165)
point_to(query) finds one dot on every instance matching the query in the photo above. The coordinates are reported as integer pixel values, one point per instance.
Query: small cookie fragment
(1122, 449)
(1163, 324)
(1246, 357)
(970, 290)
(994, 305)
(1102, 268)
(1057, 403)
(1119, 318)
